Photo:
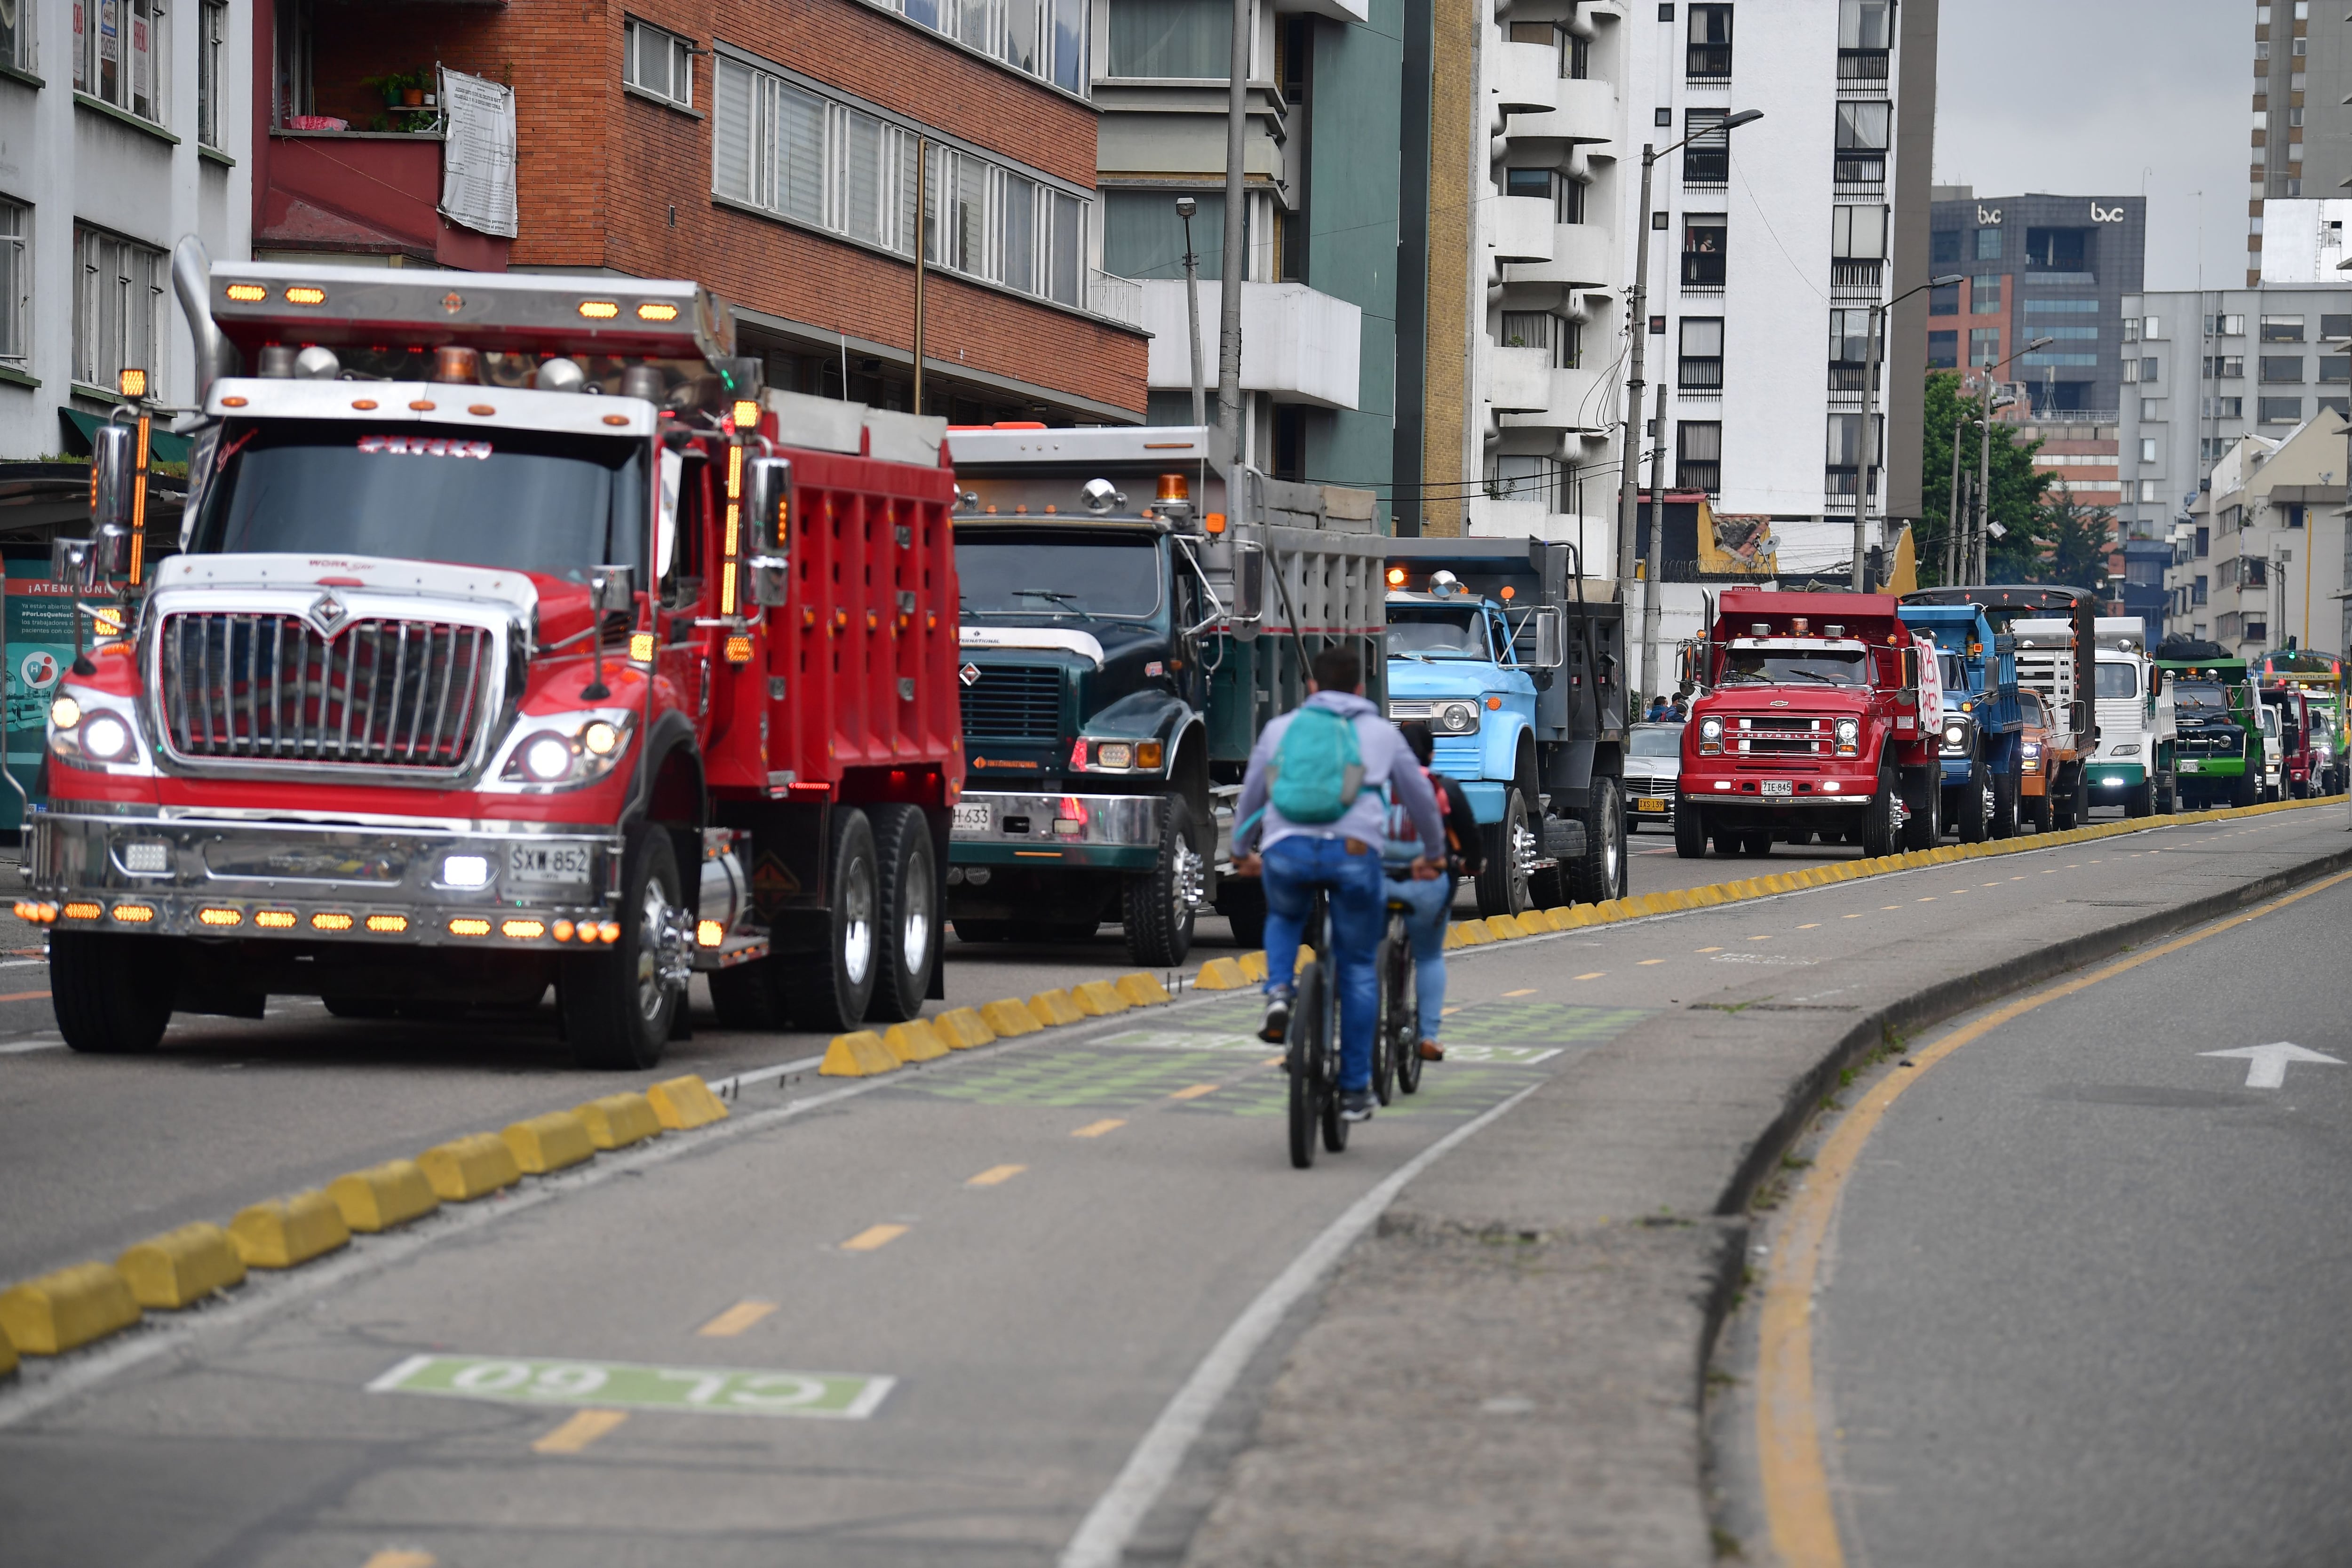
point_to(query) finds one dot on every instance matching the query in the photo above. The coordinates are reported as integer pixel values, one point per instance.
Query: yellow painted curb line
(1099, 998)
(283, 1232)
(1505, 928)
(859, 1054)
(181, 1267)
(467, 1168)
(386, 1195)
(1254, 966)
(1472, 934)
(1054, 1008)
(1009, 1018)
(59, 1312)
(1142, 990)
(963, 1028)
(617, 1121)
(552, 1141)
(684, 1104)
(1220, 974)
(914, 1041)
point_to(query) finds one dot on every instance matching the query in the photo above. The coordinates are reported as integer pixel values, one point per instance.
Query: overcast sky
(2107, 97)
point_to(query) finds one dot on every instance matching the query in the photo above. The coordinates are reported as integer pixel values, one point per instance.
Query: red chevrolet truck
(515, 638)
(1812, 721)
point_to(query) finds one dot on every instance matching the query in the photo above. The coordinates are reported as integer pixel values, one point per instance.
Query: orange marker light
(738, 650)
(641, 647)
(1509, 593)
(654, 311)
(470, 925)
(81, 911)
(709, 933)
(1396, 576)
(134, 914)
(387, 925)
(331, 922)
(1493, 704)
(131, 382)
(560, 931)
(303, 294)
(275, 919)
(220, 917)
(747, 417)
(247, 294)
(599, 309)
(523, 930)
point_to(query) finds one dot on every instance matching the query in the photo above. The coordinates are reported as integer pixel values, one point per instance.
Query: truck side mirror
(768, 506)
(2078, 718)
(1911, 669)
(1249, 581)
(611, 588)
(70, 561)
(113, 500)
(1551, 646)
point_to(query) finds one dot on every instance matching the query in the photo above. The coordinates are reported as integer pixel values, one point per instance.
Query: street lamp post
(1637, 328)
(1974, 565)
(1869, 428)
(1185, 207)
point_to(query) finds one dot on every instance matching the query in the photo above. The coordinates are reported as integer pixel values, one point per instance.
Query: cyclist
(1312, 814)
(1430, 900)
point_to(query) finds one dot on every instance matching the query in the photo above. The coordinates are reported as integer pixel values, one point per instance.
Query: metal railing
(1119, 299)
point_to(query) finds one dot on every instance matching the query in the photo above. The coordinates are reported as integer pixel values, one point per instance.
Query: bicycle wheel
(1404, 990)
(1385, 1060)
(1326, 1021)
(1304, 1051)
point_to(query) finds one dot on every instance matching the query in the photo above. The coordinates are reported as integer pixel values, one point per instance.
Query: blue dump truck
(1516, 664)
(1983, 721)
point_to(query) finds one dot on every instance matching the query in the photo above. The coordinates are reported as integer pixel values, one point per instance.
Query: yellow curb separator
(1142, 990)
(1505, 928)
(1221, 975)
(963, 1028)
(181, 1268)
(385, 1196)
(1054, 1008)
(1254, 966)
(617, 1121)
(684, 1104)
(1099, 998)
(915, 1041)
(284, 1232)
(467, 1168)
(60, 1311)
(552, 1141)
(1009, 1018)
(859, 1054)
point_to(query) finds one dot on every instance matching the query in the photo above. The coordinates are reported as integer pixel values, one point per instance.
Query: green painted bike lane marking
(691, 1390)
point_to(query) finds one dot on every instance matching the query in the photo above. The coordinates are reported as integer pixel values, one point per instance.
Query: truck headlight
(106, 738)
(1849, 736)
(65, 712)
(1458, 719)
(1956, 735)
(2032, 748)
(554, 752)
(548, 758)
(2125, 749)
(1710, 736)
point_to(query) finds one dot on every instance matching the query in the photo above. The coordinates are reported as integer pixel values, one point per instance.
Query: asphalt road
(2085, 1297)
(1137, 1200)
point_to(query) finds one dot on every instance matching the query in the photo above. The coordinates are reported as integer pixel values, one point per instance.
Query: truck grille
(2211, 743)
(1651, 784)
(1013, 702)
(398, 693)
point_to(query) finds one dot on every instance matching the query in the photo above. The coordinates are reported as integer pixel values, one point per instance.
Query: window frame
(1702, 471)
(16, 238)
(146, 340)
(89, 63)
(635, 34)
(1698, 372)
(211, 43)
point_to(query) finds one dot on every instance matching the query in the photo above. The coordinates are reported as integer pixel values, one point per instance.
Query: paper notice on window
(478, 160)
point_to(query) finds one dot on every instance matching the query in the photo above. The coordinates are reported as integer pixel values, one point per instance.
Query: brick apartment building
(768, 150)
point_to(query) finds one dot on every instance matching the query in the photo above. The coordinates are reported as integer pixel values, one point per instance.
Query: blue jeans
(1295, 868)
(1431, 902)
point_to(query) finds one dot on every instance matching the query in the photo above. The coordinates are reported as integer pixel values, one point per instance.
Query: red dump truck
(1812, 723)
(516, 639)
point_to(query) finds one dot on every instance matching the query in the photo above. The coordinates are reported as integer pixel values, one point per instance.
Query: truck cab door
(680, 656)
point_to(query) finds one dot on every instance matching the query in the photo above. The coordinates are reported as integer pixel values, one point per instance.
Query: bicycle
(1311, 1049)
(1396, 1045)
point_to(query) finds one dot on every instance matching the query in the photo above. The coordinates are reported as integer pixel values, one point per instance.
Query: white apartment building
(125, 124)
(1769, 248)
(1545, 368)
(2260, 558)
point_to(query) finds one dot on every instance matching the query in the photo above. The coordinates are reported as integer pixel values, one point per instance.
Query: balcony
(1518, 381)
(1527, 79)
(1297, 345)
(1523, 228)
(1587, 112)
(1571, 400)
(1848, 277)
(1582, 257)
(1861, 73)
(363, 193)
(1708, 65)
(1703, 271)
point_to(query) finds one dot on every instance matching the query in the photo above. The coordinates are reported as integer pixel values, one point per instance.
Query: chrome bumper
(1117, 831)
(213, 875)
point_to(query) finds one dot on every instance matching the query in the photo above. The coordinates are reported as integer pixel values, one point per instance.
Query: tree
(2017, 489)
(2071, 542)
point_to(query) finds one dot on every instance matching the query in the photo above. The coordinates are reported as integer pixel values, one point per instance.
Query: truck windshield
(1951, 672)
(1459, 633)
(2119, 679)
(2200, 695)
(1656, 741)
(525, 500)
(1830, 666)
(1051, 572)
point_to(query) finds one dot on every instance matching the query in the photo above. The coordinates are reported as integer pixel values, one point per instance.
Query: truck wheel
(1878, 819)
(2247, 789)
(1563, 840)
(1923, 798)
(1755, 843)
(111, 995)
(2140, 799)
(1510, 847)
(1972, 812)
(2035, 809)
(1599, 873)
(2004, 805)
(1158, 907)
(618, 1005)
(1690, 832)
(907, 920)
(828, 990)
(2167, 794)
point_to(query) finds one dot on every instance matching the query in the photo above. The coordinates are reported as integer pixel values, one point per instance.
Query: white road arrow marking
(2266, 1065)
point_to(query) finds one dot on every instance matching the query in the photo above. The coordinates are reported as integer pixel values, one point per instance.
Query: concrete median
(284, 1233)
(181, 1268)
(67, 1310)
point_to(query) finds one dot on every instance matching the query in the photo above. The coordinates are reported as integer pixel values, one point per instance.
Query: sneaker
(1278, 1018)
(1356, 1105)
(1430, 1051)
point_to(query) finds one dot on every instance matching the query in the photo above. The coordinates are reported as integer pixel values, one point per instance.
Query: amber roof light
(247, 294)
(599, 309)
(304, 294)
(652, 311)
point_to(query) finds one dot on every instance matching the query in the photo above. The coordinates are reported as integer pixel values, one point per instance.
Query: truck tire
(2004, 803)
(2167, 794)
(1599, 873)
(2247, 790)
(1503, 886)
(2034, 813)
(2140, 799)
(1923, 798)
(1690, 832)
(907, 920)
(1878, 819)
(111, 993)
(1158, 907)
(618, 1005)
(827, 991)
(1972, 816)
(1563, 840)
(1756, 842)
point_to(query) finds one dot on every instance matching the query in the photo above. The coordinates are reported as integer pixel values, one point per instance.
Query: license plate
(975, 816)
(548, 864)
(1649, 803)
(2190, 767)
(1778, 786)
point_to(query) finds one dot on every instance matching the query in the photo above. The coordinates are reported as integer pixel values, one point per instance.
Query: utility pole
(1952, 512)
(922, 244)
(1654, 587)
(1236, 263)
(1185, 207)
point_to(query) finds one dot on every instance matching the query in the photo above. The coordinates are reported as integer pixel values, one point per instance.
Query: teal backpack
(1317, 769)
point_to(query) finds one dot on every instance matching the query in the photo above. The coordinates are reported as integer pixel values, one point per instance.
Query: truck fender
(1142, 715)
(668, 784)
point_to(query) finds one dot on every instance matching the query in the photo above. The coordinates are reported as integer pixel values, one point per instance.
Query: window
(2225, 367)
(2147, 448)
(2281, 328)
(1702, 355)
(1863, 23)
(1862, 141)
(1943, 350)
(2057, 250)
(1843, 469)
(1858, 234)
(116, 53)
(1561, 340)
(1567, 201)
(1530, 479)
(1944, 301)
(2223, 326)
(2333, 326)
(2060, 308)
(1984, 345)
(2198, 587)
(2282, 410)
(2149, 370)
(1705, 240)
(2340, 407)
(1047, 38)
(658, 62)
(15, 282)
(1849, 337)
(118, 297)
(2302, 47)
(784, 149)
(1576, 58)
(212, 34)
(17, 35)
(2335, 367)
(1527, 183)
(2291, 516)
(1944, 247)
(2151, 408)
(2224, 409)
(1706, 152)
(1988, 245)
(1698, 456)
(2282, 367)
(1187, 39)
(2204, 544)
(1984, 295)
(1709, 55)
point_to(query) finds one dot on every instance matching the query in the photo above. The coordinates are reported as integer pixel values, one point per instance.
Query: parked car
(1653, 762)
